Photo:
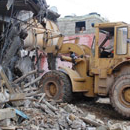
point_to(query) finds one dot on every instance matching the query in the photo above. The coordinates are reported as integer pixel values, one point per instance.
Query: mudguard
(78, 82)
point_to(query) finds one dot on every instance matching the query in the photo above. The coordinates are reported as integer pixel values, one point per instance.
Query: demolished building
(17, 17)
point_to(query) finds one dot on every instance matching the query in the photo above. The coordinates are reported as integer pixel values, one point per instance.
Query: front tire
(56, 85)
(120, 95)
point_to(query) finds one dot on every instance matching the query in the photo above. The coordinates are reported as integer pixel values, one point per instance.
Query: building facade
(76, 25)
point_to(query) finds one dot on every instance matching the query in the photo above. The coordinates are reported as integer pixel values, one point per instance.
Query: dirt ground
(102, 110)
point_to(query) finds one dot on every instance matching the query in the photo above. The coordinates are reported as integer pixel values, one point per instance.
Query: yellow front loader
(98, 71)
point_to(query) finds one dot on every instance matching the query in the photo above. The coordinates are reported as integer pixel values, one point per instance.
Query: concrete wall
(67, 24)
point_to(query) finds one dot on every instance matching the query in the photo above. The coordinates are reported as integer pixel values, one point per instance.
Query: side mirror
(128, 32)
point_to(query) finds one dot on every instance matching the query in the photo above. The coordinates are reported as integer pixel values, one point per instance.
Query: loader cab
(110, 40)
(110, 48)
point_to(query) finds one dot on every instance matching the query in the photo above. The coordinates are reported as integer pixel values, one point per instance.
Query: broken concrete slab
(7, 113)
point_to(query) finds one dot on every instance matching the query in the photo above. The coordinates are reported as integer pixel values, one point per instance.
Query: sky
(113, 10)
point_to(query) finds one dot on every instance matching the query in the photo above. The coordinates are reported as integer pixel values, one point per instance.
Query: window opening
(80, 27)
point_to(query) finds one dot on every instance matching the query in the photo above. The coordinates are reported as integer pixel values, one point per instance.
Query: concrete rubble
(36, 113)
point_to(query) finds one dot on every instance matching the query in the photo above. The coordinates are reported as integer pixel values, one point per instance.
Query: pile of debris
(26, 108)
(36, 113)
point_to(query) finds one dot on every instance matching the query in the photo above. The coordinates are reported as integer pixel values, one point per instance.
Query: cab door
(102, 64)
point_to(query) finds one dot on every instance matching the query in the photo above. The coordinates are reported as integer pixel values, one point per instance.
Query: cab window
(106, 42)
(121, 40)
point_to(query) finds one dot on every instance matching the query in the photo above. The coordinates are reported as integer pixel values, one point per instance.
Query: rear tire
(120, 95)
(56, 85)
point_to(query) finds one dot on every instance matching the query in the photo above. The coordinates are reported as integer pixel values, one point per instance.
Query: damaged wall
(17, 17)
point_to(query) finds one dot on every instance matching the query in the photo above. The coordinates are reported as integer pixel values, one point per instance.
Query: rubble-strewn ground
(55, 115)
(103, 110)
(81, 115)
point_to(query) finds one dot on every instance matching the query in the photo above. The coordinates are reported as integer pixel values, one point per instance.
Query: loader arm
(76, 48)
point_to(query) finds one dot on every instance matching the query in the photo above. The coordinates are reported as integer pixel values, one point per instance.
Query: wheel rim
(51, 89)
(125, 95)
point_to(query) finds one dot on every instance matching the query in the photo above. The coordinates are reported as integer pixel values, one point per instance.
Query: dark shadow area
(103, 111)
